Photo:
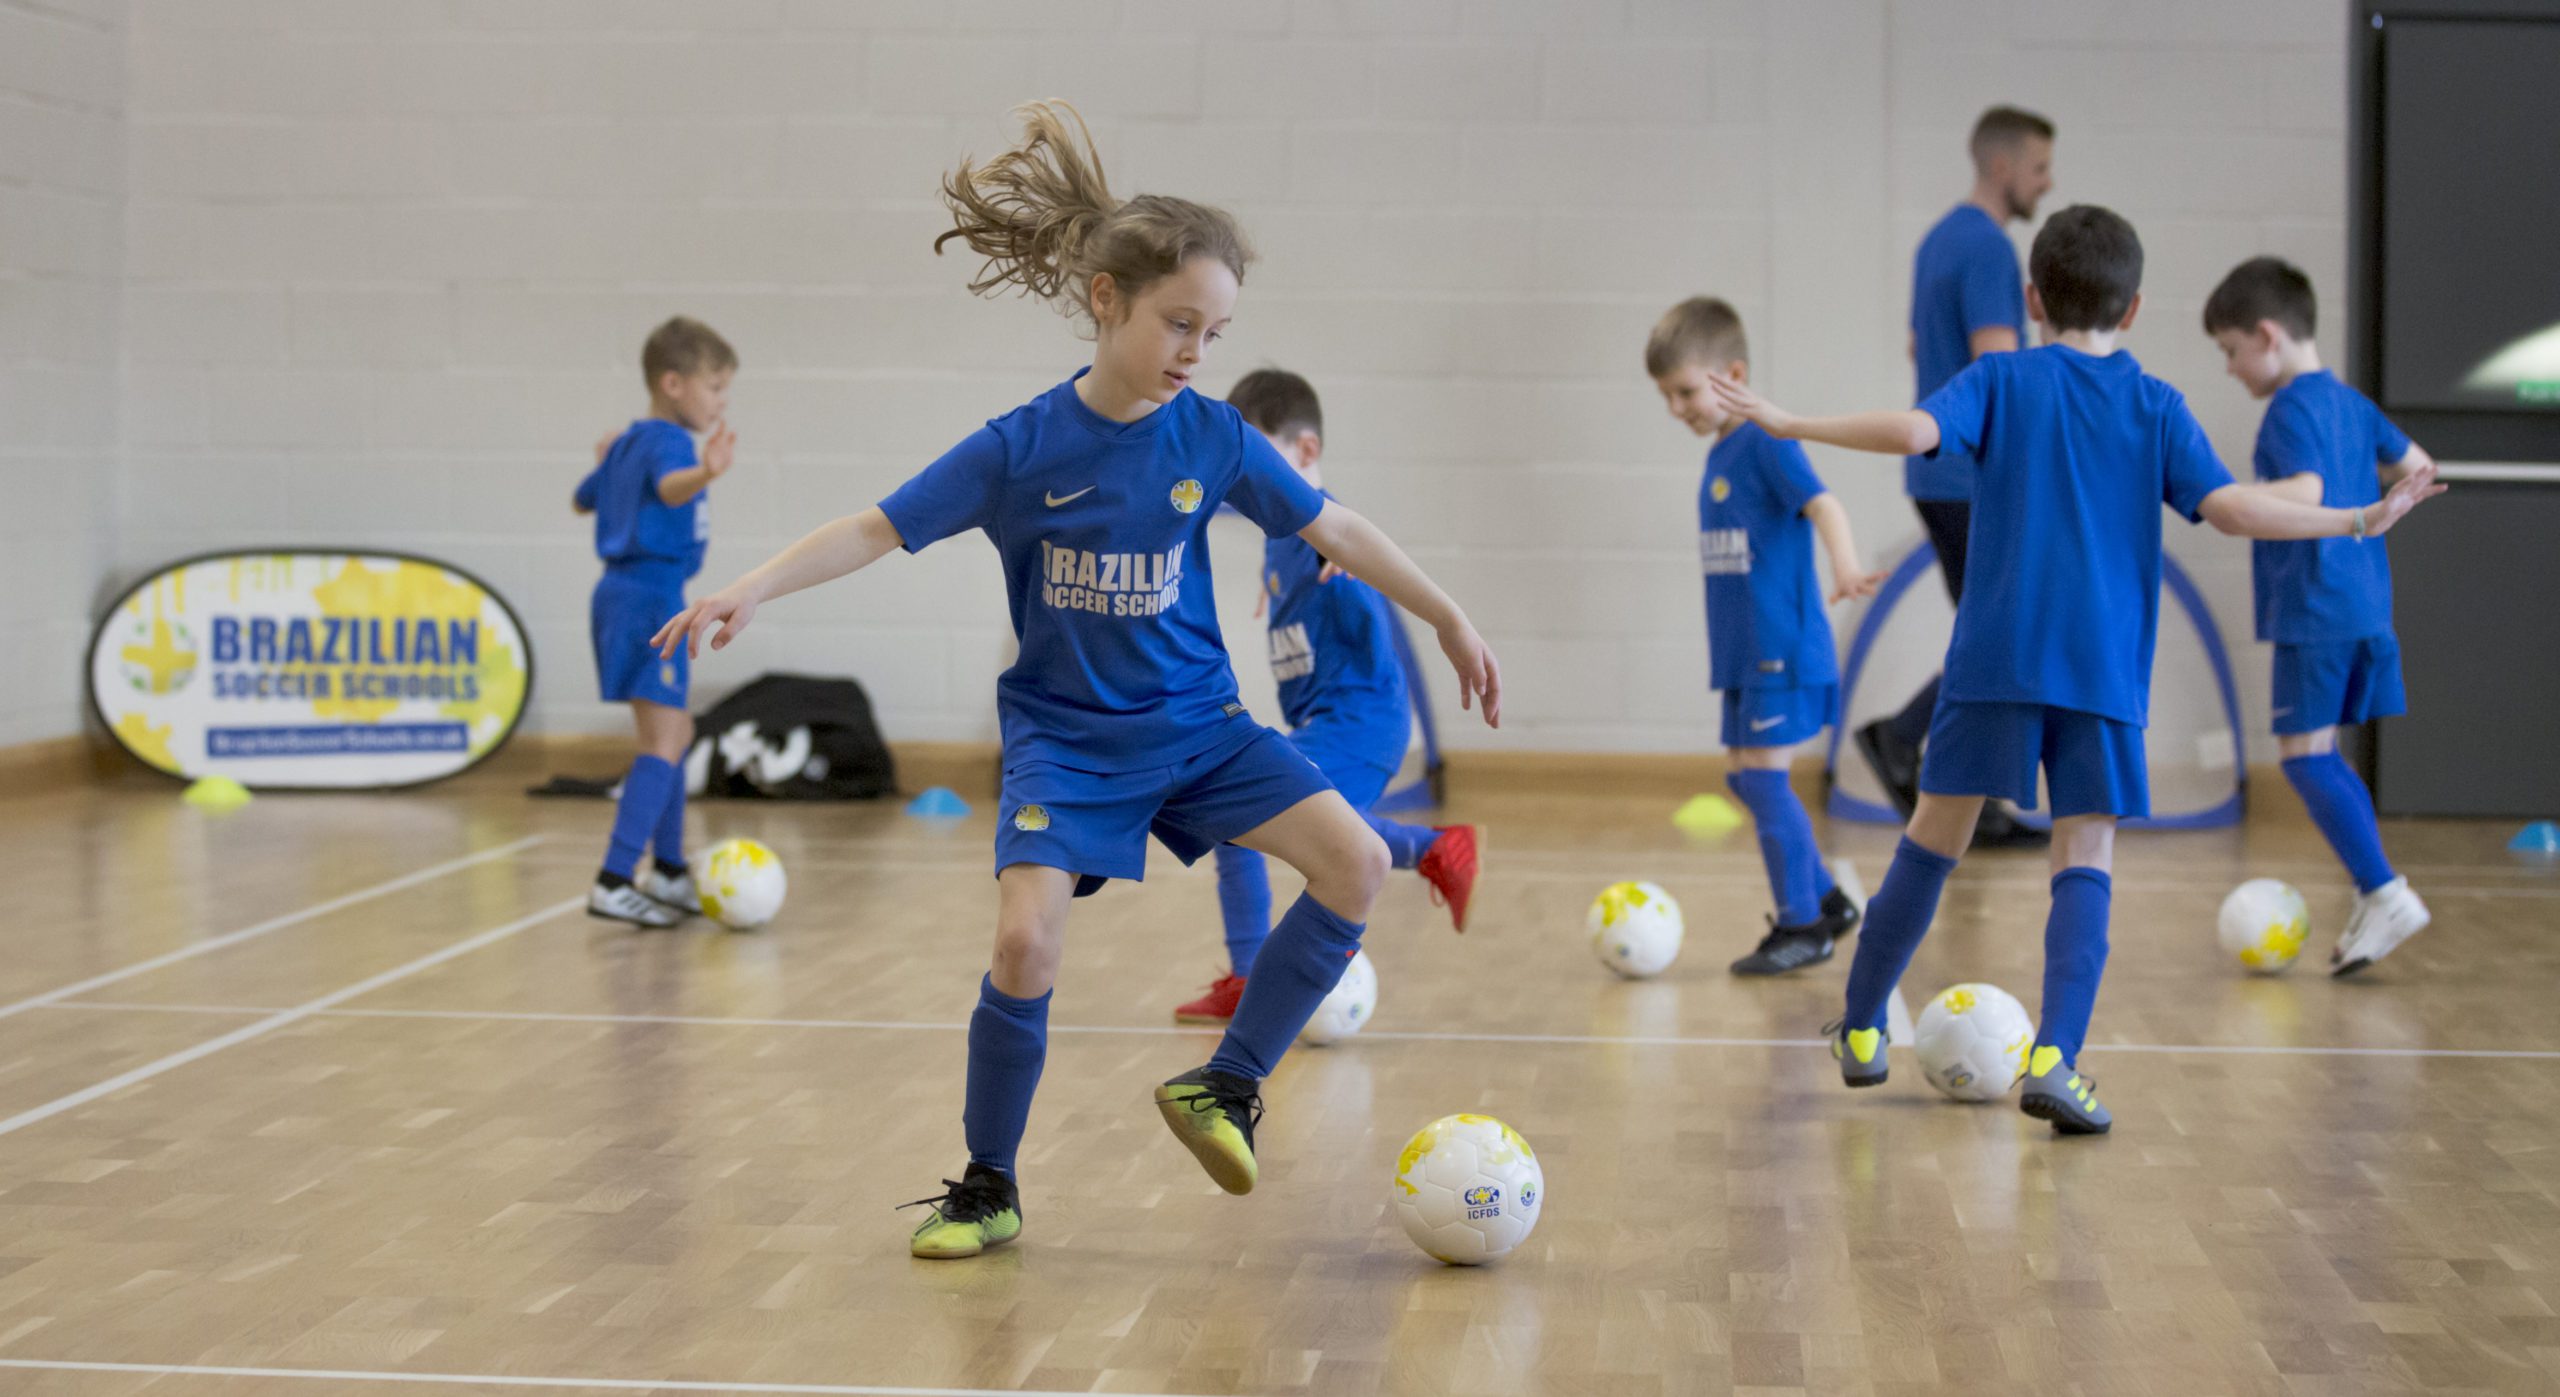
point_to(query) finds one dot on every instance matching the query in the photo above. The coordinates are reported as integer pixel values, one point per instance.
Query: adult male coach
(1968, 299)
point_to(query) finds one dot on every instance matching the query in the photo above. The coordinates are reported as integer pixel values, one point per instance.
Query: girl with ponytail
(1120, 716)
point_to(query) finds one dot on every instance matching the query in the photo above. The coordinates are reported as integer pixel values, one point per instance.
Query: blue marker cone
(939, 803)
(2541, 837)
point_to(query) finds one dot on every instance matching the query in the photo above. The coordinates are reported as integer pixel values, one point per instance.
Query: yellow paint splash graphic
(410, 589)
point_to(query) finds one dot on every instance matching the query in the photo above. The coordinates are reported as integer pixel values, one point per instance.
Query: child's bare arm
(1344, 537)
(1849, 577)
(2261, 511)
(2302, 488)
(719, 452)
(830, 551)
(1905, 432)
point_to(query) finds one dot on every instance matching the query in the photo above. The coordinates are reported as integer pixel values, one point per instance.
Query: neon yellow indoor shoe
(1859, 1051)
(983, 1209)
(1213, 1115)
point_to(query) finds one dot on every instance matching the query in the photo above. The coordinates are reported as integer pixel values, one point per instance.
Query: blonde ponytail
(1045, 220)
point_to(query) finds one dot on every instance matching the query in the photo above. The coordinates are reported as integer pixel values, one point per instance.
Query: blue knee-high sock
(1008, 1042)
(2075, 956)
(1406, 844)
(1786, 842)
(1897, 917)
(1298, 967)
(667, 845)
(644, 794)
(1244, 904)
(2343, 809)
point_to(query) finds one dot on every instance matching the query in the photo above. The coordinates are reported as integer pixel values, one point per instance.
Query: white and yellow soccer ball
(1635, 929)
(1345, 1011)
(1973, 1042)
(742, 883)
(2264, 922)
(1468, 1189)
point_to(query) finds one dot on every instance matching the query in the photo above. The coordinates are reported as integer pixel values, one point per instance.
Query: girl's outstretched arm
(830, 551)
(1352, 543)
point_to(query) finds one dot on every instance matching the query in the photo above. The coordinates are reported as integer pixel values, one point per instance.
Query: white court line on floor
(280, 1018)
(249, 933)
(1638, 1040)
(811, 1389)
(1982, 880)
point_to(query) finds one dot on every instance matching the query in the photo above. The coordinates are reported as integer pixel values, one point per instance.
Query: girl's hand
(1479, 674)
(2417, 485)
(719, 451)
(1858, 584)
(728, 614)
(1742, 401)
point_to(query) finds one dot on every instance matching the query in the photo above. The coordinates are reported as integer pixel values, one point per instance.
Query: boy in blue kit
(1968, 299)
(2051, 663)
(2325, 604)
(648, 494)
(1120, 717)
(1342, 692)
(1768, 637)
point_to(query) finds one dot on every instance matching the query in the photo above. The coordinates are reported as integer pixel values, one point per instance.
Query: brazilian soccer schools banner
(310, 669)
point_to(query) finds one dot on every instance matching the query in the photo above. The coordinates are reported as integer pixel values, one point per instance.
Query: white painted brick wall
(62, 178)
(387, 265)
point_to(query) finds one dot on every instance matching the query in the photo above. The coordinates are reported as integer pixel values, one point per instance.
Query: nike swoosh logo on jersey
(1056, 500)
(1764, 724)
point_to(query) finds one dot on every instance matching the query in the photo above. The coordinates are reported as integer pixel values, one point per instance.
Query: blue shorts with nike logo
(1095, 824)
(1778, 717)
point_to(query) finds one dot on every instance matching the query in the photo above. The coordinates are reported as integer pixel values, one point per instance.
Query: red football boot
(1450, 868)
(1215, 1007)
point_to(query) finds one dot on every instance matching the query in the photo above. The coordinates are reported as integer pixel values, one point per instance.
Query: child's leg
(1759, 778)
(1905, 903)
(1244, 904)
(666, 733)
(1345, 864)
(1009, 1030)
(645, 788)
(2075, 932)
(2339, 804)
(1406, 844)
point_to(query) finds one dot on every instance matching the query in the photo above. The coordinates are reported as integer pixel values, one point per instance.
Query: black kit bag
(791, 737)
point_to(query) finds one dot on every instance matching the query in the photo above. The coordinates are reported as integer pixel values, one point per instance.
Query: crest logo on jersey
(1272, 580)
(1031, 819)
(1186, 495)
(1719, 489)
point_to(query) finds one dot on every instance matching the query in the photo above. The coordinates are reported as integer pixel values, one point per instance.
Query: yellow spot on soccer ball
(1186, 495)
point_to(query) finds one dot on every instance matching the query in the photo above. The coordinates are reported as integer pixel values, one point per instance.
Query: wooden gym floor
(346, 1095)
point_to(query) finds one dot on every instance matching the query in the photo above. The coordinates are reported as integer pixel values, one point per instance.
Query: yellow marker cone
(217, 794)
(1708, 816)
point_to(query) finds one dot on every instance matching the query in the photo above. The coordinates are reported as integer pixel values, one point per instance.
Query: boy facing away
(648, 494)
(1342, 693)
(1769, 650)
(2051, 663)
(2325, 604)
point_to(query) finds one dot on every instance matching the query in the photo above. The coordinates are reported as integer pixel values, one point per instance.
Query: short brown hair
(2004, 129)
(2263, 288)
(1277, 403)
(1700, 330)
(686, 346)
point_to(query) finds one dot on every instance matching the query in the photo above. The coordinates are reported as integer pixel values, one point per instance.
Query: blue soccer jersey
(2319, 591)
(2062, 597)
(1964, 278)
(1333, 653)
(634, 526)
(1766, 626)
(1103, 529)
